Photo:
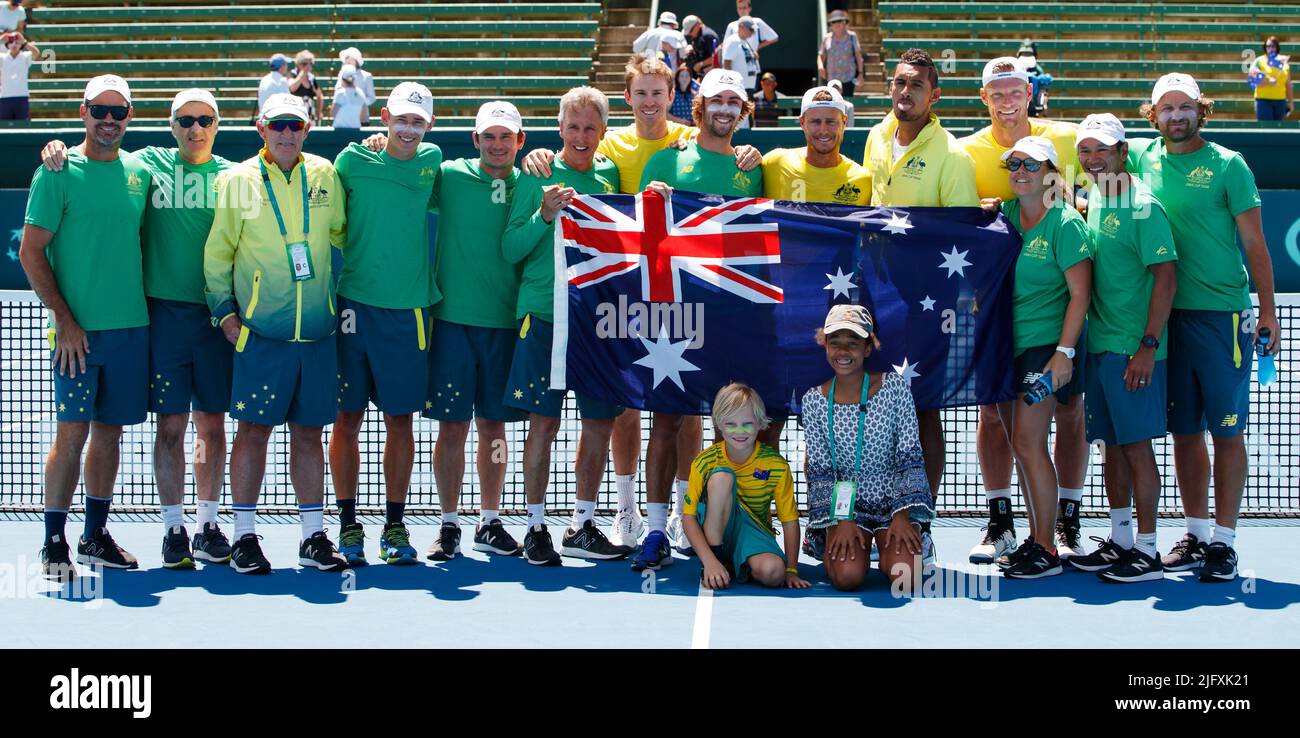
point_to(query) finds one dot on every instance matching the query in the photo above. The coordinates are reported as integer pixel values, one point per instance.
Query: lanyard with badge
(845, 492)
(299, 253)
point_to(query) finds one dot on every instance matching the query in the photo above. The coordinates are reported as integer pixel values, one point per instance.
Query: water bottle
(1040, 389)
(1267, 371)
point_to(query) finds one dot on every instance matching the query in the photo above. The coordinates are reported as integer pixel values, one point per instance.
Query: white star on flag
(665, 358)
(907, 371)
(16, 234)
(897, 224)
(840, 282)
(955, 262)
(927, 304)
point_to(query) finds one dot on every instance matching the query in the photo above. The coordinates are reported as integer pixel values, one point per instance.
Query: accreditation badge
(842, 499)
(300, 261)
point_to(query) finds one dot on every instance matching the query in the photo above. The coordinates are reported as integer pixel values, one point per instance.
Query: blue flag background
(937, 280)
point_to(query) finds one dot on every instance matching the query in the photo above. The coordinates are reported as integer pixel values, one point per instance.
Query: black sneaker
(814, 543)
(1134, 567)
(1107, 555)
(246, 556)
(1220, 564)
(588, 542)
(447, 545)
(1033, 562)
(102, 549)
(539, 550)
(1186, 554)
(1068, 540)
(211, 545)
(493, 538)
(318, 552)
(176, 550)
(1011, 558)
(56, 561)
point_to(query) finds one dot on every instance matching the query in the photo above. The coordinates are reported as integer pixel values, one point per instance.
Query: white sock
(207, 512)
(1199, 527)
(583, 511)
(993, 494)
(1146, 543)
(487, 516)
(1121, 527)
(679, 495)
(313, 519)
(1069, 493)
(657, 518)
(173, 517)
(1224, 535)
(245, 520)
(626, 486)
(451, 517)
(536, 514)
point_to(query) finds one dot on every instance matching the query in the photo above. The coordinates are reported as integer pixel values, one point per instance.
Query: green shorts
(743, 537)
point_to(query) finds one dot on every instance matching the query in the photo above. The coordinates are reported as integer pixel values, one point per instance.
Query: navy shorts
(1114, 415)
(115, 388)
(190, 361)
(1210, 358)
(383, 358)
(528, 388)
(1029, 366)
(284, 381)
(469, 367)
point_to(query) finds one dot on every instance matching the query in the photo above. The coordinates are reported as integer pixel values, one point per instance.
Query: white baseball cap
(353, 52)
(498, 113)
(718, 81)
(1105, 128)
(1037, 147)
(1017, 72)
(836, 101)
(690, 22)
(668, 17)
(281, 104)
(107, 83)
(347, 71)
(854, 318)
(194, 94)
(1176, 82)
(411, 97)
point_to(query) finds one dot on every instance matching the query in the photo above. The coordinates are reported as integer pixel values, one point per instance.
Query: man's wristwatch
(1067, 350)
(1151, 342)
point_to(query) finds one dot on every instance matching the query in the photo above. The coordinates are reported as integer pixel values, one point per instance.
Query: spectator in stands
(274, 82)
(304, 85)
(15, 62)
(766, 111)
(687, 89)
(650, 43)
(848, 104)
(703, 42)
(764, 36)
(365, 81)
(840, 56)
(1027, 58)
(739, 54)
(1270, 76)
(13, 17)
(350, 109)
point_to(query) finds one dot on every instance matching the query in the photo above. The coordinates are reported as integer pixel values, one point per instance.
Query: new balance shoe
(493, 538)
(627, 527)
(814, 543)
(211, 545)
(176, 550)
(102, 549)
(588, 542)
(1220, 564)
(1107, 555)
(1187, 554)
(1068, 543)
(1035, 562)
(318, 552)
(447, 544)
(539, 549)
(998, 540)
(655, 552)
(246, 556)
(1009, 559)
(677, 535)
(1136, 566)
(395, 546)
(352, 544)
(56, 560)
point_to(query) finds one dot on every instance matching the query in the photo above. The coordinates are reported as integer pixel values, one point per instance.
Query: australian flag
(658, 304)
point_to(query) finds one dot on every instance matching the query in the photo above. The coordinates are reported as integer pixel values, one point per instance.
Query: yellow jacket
(934, 170)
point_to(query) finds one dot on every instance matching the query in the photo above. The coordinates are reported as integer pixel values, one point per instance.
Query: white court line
(31, 419)
(703, 618)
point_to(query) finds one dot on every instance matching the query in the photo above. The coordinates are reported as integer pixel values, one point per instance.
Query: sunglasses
(100, 112)
(204, 121)
(286, 124)
(838, 21)
(1031, 165)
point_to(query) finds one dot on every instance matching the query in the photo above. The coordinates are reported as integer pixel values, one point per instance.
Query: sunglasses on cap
(1031, 165)
(100, 112)
(838, 20)
(286, 124)
(204, 121)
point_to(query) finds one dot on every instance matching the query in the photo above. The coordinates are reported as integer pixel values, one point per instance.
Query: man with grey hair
(740, 53)
(528, 240)
(365, 81)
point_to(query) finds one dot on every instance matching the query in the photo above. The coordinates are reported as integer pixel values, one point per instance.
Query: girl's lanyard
(845, 490)
(299, 253)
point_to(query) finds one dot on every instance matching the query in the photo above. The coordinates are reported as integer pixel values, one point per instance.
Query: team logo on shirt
(1110, 224)
(1162, 251)
(1200, 177)
(914, 168)
(1038, 248)
(318, 196)
(847, 193)
(427, 172)
(740, 181)
(688, 169)
(134, 185)
(762, 474)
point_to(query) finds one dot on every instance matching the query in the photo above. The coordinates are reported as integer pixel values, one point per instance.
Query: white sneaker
(627, 528)
(997, 541)
(928, 553)
(677, 535)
